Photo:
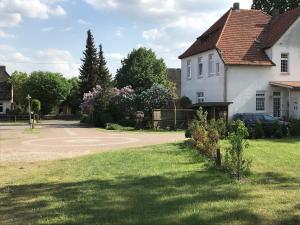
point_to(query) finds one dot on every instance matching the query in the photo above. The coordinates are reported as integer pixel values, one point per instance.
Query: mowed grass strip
(160, 185)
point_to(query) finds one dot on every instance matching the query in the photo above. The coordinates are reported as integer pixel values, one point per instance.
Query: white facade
(211, 84)
(5, 106)
(241, 84)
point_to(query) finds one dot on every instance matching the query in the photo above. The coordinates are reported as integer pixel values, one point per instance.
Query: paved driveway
(60, 139)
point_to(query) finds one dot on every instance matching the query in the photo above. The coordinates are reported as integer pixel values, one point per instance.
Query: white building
(247, 58)
(6, 92)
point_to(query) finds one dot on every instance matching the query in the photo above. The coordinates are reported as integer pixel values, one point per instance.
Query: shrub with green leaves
(234, 160)
(36, 106)
(206, 135)
(258, 130)
(185, 102)
(294, 127)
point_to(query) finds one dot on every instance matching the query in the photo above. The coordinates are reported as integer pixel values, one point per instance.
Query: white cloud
(176, 23)
(12, 11)
(9, 19)
(83, 22)
(54, 60)
(155, 34)
(58, 11)
(3, 34)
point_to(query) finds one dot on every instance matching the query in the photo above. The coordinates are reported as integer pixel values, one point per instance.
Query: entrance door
(277, 104)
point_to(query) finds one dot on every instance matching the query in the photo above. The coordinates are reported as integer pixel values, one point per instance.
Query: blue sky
(50, 34)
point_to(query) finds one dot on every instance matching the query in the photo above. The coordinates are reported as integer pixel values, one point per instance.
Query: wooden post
(175, 116)
(219, 158)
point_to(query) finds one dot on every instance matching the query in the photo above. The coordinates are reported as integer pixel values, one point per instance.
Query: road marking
(69, 132)
(80, 141)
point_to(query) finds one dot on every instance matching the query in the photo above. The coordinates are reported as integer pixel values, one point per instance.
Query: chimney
(236, 6)
(275, 13)
(2, 68)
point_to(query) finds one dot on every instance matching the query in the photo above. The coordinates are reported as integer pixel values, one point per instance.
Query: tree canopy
(140, 70)
(269, 6)
(18, 80)
(49, 88)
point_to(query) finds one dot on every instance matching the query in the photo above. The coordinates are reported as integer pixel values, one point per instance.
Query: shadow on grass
(204, 197)
(125, 200)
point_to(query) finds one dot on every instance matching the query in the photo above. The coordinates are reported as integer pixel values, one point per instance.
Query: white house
(249, 59)
(6, 91)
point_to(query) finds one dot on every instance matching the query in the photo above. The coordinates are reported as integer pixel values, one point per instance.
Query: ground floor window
(200, 97)
(260, 100)
(276, 104)
(1, 107)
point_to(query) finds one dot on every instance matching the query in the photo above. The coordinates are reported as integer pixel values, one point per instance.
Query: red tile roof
(287, 84)
(279, 25)
(241, 35)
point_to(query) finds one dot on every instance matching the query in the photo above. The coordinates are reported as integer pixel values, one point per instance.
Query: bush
(277, 130)
(114, 126)
(101, 119)
(185, 102)
(206, 135)
(234, 160)
(284, 129)
(268, 131)
(258, 130)
(36, 106)
(294, 127)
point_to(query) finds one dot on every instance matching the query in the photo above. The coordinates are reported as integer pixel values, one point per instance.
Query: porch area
(285, 99)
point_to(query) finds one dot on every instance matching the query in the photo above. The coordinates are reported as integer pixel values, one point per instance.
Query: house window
(284, 62)
(218, 68)
(200, 97)
(189, 69)
(210, 64)
(1, 107)
(260, 100)
(200, 67)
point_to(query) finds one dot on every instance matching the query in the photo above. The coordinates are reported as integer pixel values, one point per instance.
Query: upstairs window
(260, 100)
(200, 67)
(189, 69)
(200, 97)
(210, 64)
(284, 62)
(218, 68)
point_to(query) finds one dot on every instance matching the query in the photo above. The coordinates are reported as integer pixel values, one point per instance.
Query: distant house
(6, 91)
(248, 60)
(174, 75)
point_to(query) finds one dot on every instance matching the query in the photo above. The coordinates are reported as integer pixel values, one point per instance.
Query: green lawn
(160, 185)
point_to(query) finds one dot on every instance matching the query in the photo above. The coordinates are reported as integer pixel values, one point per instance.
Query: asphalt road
(64, 139)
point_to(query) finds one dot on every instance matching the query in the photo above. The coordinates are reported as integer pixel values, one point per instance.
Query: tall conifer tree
(88, 69)
(104, 78)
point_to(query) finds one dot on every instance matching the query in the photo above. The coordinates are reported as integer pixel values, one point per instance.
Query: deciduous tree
(141, 69)
(269, 6)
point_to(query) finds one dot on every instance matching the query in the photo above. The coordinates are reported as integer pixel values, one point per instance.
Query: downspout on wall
(225, 82)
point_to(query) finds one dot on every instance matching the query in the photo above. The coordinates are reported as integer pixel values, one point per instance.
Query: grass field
(160, 185)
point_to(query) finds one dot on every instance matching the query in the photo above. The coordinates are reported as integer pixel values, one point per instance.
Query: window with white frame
(218, 68)
(260, 100)
(189, 69)
(200, 97)
(1, 107)
(284, 62)
(200, 67)
(210, 64)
